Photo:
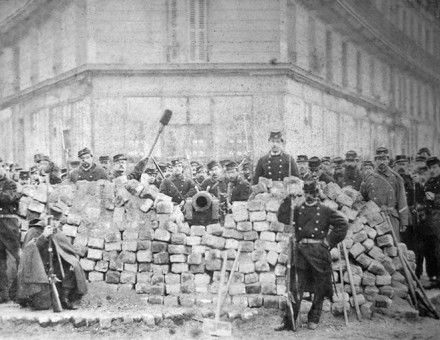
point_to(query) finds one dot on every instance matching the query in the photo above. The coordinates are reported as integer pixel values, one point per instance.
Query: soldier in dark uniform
(312, 222)
(419, 161)
(276, 164)
(386, 189)
(49, 170)
(432, 201)
(177, 186)
(9, 233)
(339, 170)
(89, 170)
(327, 166)
(200, 175)
(238, 189)
(352, 176)
(316, 172)
(104, 161)
(424, 152)
(215, 183)
(303, 165)
(366, 169)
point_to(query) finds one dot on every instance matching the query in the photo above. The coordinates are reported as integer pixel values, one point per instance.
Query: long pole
(350, 278)
(341, 275)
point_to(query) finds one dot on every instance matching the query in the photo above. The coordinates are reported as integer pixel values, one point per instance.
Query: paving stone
(177, 258)
(193, 240)
(213, 241)
(229, 222)
(368, 279)
(161, 258)
(272, 257)
(260, 226)
(113, 246)
(364, 260)
(177, 249)
(129, 245)
(87, 265)
(367, 310)
(377, 268)
(127, 257)
(239, 213)
(178, 238)
(356, 250)
(247, 246)
(385, 240)
(262, 266)
(101, 266)
(144, 277)
(162, 235)
(250, 235)
(158, 246)
(232, 233)
(267, 236)
(382, 301)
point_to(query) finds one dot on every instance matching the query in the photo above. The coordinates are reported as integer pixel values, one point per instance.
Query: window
(344, 64)
(172, 50)
(359, 72)
(197, 30)
(329, 56)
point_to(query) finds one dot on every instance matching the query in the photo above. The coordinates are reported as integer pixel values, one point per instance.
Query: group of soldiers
(407, 189)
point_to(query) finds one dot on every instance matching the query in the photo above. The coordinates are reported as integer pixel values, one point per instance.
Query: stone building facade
(335, 75)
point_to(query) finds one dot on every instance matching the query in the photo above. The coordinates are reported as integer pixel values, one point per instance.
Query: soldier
(424, 152)
(34, 175)
(104, 161)
(119, 165)
(89, 170)
(177, 186)
(303, 165)
(246, 171)
(386, 189)
(432, 201)
(366, 169)
(200, 175)
(420, 161)
(194, 165)
(316, 172)
(35, 264)
(339, 170)
(312, 222)
(238, 189)
(352, 176)
(9, 233)
(327, 166)
(276, 164)
(49, 170)
(215, 184)
(401, 166)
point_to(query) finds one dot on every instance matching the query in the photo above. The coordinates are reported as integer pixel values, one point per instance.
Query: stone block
(157, 289)
(162, 235)
(213, 241)
(129, 245)
(237, 289)
(155, 300)
(97, 243)
(239, 213)
(247, 246)
(272, 257)
(231, 244)
(351, 214)
(193, 240)
(368, 279)
(356, 250)
(214, 229)
(146, 233)
(144, 267)
(367, 310)
(172, 289)
(364, 260)
(250, 235)
(385, 240)
(101, 266)
(70, 230)
(229, 222)
(371, 232)
(178, 258)
(271, 302)
(128, 277)
(144, 277)
(388, 263)
(144, 256)
(262, 266)
(267, 236)
(94, 254)
(377, 268)
(390, 251)
(387, 291)
(251, 278)
(376, 253)
(255, 301)
(244, 226)
(383, 280)
(360, 237)
(144, 245)
(261, 226)
(177, 249)
(232, 233)
(256, 205)
(382, 228)
(213, 264)
(87, 265)
(195, 258)
(95, 276)
(368, 244)
(360, 299)
(245, 264)
(382, 301)
(130, 235)
(370, 292)
(158, 246)
(199, 249)
(36, 207)
(255, 216)
(272, 205)
(280, 270)
(161, 258)
(259, 255)
(112, 277)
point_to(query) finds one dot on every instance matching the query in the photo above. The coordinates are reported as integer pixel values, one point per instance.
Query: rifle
(293, 299)
(56, 303)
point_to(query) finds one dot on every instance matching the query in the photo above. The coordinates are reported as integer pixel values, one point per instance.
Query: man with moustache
(177, 186)
(215, 184)
(88, 170)
(386, 189)
(338, 175)
(303, 165)
(316, 172)
(49, 170)
(276, 165)
(352, 176)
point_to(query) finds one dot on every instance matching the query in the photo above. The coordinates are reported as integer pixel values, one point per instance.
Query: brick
(259, 255)
(129, 245)
(272, 257)
(87, 265)
(237, 289)
(382, 228)
(157, 289)
(199, 249)
(356, 250)
(381, 301)
(376, 253)
(255, 301)
(246, 246)
(144, 245)
(262, 266)
(193, 240)
(144, 256)
(177, 249)
(368, 279)
(172, 289)
(239, 212)
(128, 277)
(157, 278)
(245, 264)
(267, 236)
(213, 264)
(231, 244)
(113, 246)
(256, 205)
(159, 269)
(131, 267)
(146, 233)
(214, 229)
(390, 251)
(377, 268)
(280, 270)
(360, 237)
(178, 238)
(178, 258)
(272, 217)
(96, 276)
(144, 277)
(255, 216)
(114, 236)
(368, 244)
(158, 246)
(385, 240)
(213, 241)
(144, 267)
(130, 235)
(272, 246)
(261, 226)
(229, 222)
(277, 227)
(244, 226)
(112, 277)
(101, 266)
(383, 280)
(162, 235)
(70, 230)
(161, 258)
(250, 235)
(232, 233)
(97, 243)
(364, 260)
(282, 258)
(127, 257)
(195, 258)
(94, 254)
(271, 302)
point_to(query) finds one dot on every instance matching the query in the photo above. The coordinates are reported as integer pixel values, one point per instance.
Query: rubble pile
(139, 243)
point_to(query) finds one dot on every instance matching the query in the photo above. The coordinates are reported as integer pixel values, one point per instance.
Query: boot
(65, 302)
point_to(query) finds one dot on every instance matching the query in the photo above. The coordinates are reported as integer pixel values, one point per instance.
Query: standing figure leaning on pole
(314, 241)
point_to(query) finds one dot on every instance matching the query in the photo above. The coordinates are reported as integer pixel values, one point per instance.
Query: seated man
(33, 284)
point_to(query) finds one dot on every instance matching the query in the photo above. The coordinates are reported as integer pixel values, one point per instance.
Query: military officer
(339, 170)
(366, 169)
(352, 176)
(432, 200)
(316, 172)
(49, 170)
(424, 152)
(9, 233)
(420, 161)
(177, 186)
(315, 239)
(88, 170)
(276, 164)
(303, 165)
(327, 166)
(238, 189)
(386, 189)
(104, 161)
(215, 184)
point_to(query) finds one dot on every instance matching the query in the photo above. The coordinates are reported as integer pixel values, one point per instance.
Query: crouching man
(34, 289)
(314, 238)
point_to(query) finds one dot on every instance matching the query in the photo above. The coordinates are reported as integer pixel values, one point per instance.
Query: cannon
(202, 209)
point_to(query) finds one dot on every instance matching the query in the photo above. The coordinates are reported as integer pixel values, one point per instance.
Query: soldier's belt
(310, 241)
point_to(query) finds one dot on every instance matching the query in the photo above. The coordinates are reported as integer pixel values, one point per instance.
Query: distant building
(336, 75)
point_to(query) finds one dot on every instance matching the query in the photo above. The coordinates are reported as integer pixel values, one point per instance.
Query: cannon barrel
(202, 201)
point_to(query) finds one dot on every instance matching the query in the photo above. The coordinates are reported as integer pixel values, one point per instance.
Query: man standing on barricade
(88, 170)
(9, 233)
(314, 238)
(276, 164)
